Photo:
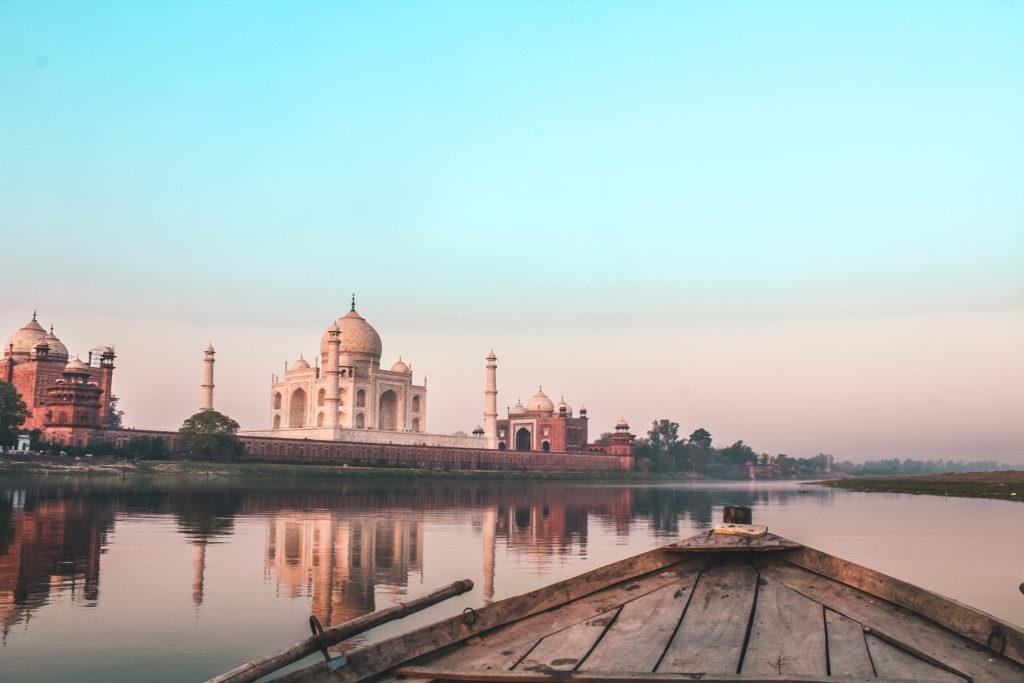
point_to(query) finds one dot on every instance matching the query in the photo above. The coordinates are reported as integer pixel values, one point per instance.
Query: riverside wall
(315, 452)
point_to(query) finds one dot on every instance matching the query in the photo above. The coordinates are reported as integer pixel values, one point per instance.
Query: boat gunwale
(919, 601)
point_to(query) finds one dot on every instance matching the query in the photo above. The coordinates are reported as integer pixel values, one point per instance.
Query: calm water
(178, 581)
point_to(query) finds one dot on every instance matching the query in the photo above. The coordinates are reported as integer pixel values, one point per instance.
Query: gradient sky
(796, 224)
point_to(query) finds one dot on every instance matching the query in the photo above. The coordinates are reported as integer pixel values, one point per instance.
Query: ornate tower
(207, 397)
(491, 402)
(332, 399)
(106, 381)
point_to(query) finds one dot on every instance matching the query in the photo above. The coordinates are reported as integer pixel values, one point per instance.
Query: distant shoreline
(1004, 485)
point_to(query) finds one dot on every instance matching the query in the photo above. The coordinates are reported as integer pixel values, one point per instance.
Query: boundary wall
(316, 452)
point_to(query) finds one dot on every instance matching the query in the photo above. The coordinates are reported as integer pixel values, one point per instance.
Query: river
(178, 580)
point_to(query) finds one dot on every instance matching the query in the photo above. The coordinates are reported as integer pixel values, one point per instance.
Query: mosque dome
(562, 404)
(300, 364)
(622, 425)
(541, 402)
(517, 409)
(76, 366)
(25, 339)
(358, 338)
(57, 349)
(400, 367)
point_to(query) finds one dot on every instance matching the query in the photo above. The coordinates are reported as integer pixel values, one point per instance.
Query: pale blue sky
(633, 185)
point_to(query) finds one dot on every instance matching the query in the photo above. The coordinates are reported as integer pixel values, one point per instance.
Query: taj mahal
(345, 395)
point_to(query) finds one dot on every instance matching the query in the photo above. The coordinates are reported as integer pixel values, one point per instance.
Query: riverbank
(108, 467)
(1006, 485)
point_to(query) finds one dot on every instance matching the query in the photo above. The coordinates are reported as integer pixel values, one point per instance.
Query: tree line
(663, 450)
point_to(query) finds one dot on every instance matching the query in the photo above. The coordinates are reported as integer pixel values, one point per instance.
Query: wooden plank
(639, 635)
(713, 631)
(847, 649)
(788, 634)
(500, 649)
(893, 662)
(709, 541)
(379, 657)
(427, 673)
(1000, 636)
(563, 651)
(895, 624)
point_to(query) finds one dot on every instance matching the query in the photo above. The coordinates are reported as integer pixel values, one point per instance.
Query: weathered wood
(379, 657)
(709, 541)
(847, 649)
(563, 651)
(429, 673)
(898, 625)
(893, 662)
(1000, 636)
(737, 514)
(250, 671)
(713, 631)
(788, 634)
(639, 635)
(501, 648)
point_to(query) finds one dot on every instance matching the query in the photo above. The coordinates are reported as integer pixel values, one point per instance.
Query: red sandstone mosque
(68, 397)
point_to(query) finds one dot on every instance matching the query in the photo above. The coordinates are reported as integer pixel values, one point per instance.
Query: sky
(799, 224)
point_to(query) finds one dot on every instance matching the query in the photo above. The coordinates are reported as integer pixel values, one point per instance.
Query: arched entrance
(387, 411)
(523, 439)
(297, 409)
(546, 446)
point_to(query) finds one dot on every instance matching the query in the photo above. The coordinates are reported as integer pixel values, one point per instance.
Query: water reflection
(343, 547)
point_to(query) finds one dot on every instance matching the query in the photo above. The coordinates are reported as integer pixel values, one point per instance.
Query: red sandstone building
(69, 399)
(543, 426)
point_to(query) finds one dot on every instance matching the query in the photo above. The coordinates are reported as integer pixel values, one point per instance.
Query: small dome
(57, 349)
(491, 355)
(622, 425)
(541, 402)
(517, 409)
(300, 364)
(25, 339)
(400, 367)
(478, 430)
(76, 366)
(562, 404)
(209, 349)
(108, 350)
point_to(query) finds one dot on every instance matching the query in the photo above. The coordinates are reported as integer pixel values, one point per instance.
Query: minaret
(206, 403)
(106, 381)
(491, 402)
(332, 400)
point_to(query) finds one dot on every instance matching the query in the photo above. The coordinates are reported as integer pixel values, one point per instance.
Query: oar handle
(252, 670)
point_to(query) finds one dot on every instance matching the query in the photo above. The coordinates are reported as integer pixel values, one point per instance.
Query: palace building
(69, 398)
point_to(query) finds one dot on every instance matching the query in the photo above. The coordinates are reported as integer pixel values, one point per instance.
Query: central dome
(541, 402)
(25, 339)
(358, 338)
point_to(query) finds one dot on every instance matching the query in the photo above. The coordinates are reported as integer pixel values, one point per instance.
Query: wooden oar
(252, 670)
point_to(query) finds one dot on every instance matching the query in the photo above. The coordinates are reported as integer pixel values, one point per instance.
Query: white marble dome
(400, 366)
(562, 404)
(622, 425)
(517, 409)
(25, 339)
(541, 402)
(57, 349)
(300, 364)
(358, 338)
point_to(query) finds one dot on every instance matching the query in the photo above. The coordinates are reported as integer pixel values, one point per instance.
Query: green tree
(668, 451)
(701, 438)
(210, 435)
(115, 417)
(13, 413)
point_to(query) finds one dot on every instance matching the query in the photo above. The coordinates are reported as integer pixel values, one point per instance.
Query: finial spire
(33, 314)
(353, 301)
(51, 328)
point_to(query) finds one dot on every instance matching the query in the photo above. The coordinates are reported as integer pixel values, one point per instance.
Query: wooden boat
(714, 607)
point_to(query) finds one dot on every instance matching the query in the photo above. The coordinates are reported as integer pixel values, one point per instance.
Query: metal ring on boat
(318, 631)
(469, 616)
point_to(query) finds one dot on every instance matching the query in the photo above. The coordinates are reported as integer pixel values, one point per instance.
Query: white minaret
(207, 398)
(491, 402)
(332, 400)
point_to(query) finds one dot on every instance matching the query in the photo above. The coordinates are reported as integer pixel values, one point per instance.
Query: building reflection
(48, 548)
(339, 563)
